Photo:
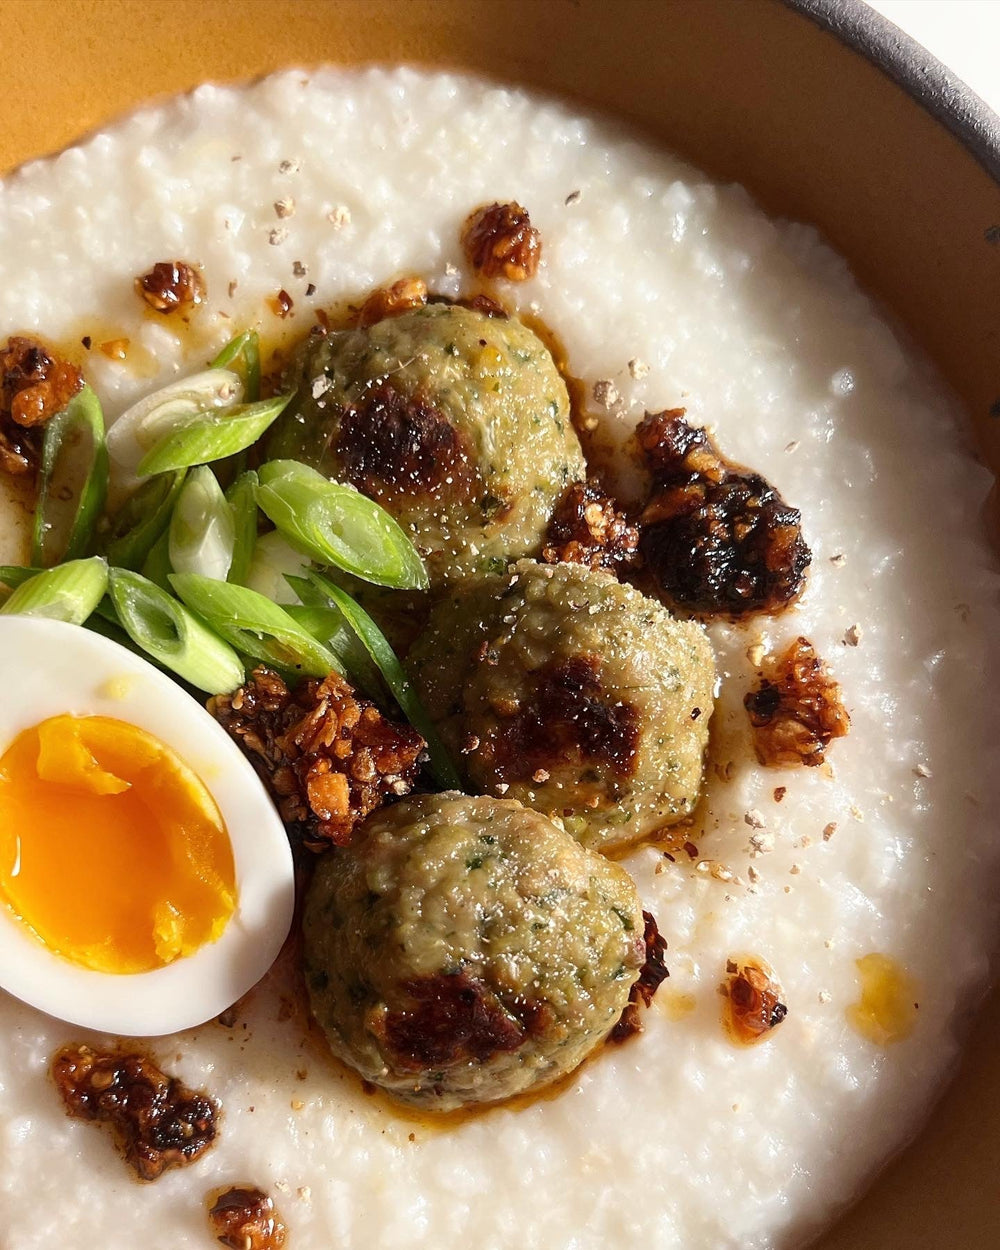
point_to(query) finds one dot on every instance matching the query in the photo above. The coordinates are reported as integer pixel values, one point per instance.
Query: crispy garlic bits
(717, 539)
(328, 757)
(245, 1218)
(34, 386)
(753, 1004)
(500, 242)
(171, 286)
(796, 709)
(157, 1122)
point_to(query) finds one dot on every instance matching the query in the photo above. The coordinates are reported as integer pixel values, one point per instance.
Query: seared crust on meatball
(717, 539)
(456, 420)
(797, 708)
(393, 447)
(573, 693)
(464, 950)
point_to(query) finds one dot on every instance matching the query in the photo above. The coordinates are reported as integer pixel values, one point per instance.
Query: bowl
(824, 110)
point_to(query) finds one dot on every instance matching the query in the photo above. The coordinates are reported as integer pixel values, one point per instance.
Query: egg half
(146, 881)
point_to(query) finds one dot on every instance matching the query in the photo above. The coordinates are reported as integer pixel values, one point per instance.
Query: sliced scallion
(213, 436)
(336, 524)
(272, 560)
(141, 520)
(243, 355)
(378, 647)
(242, 497)
(202, 532)
(14, 575)
(157, 566)
(74, 481)
(327, 625)
(172, 635)
(254, 625)
(147, 423)
(69, 592)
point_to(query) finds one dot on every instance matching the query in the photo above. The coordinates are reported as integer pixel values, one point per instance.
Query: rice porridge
(666, 291)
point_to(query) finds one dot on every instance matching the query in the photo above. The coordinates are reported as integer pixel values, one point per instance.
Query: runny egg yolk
(111, 849)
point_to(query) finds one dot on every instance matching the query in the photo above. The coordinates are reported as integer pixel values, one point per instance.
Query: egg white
(48, 668)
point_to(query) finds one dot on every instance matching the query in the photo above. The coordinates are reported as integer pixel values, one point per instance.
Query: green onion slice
(336, 524)
(242, 497)
(202, 533)
(272, 560)
(254, 625)
(213, 437)
(172, 635)
(377, 646)
(157, 566)
(243, 354)
(69, 592)
(141, 520)
(14, 575)
(146, 424)
(74, 481)
(327, 625)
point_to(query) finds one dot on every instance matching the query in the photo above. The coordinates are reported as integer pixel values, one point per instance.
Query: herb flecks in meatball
(560, 686)
(171, 286)
(34, 386)
(465, 950)
(753, 1001)
(458, 422)
(392, 445)
(716, 538)
(329, 758)
(796, 710)
(157, 1121)
(652, 974)
(587, 528)
(245, 1218)
(500, 242)
(391, 301)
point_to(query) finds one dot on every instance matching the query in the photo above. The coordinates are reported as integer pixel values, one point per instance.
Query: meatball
(455, 421)
(560, 687)
(464, 950)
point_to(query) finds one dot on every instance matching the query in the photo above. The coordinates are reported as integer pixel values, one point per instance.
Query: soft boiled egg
(145, 878)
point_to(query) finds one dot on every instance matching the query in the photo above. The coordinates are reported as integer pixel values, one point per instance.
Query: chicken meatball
(464, 950)
(456, 422)
(560, 687)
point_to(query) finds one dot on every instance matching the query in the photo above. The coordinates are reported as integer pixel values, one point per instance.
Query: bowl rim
(927, 80)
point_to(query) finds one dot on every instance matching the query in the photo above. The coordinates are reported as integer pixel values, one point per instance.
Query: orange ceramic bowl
(821, 108)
